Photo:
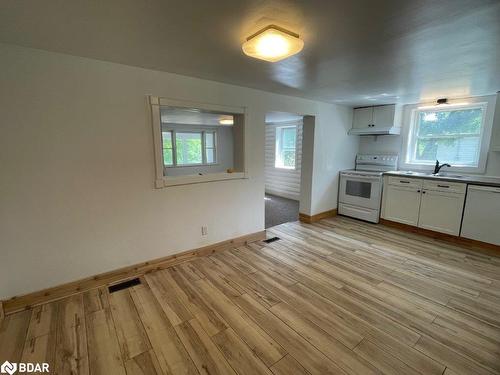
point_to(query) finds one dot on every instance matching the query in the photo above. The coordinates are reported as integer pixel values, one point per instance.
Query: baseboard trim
(472, 244)
(314, 218)
(29, 300)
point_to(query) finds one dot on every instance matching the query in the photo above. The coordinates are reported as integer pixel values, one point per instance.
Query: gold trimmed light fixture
(272, 44)
(226, 120)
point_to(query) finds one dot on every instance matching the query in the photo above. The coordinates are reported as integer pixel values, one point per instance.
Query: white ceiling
(356, 52)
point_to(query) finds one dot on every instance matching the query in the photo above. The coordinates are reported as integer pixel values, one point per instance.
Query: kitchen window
(286, 142)
(448, 133)
(189, 148)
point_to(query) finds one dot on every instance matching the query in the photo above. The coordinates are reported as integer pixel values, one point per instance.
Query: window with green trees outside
(450, 135)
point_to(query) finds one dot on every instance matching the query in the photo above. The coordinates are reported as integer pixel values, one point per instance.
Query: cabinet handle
(444, 186)
(418, 191)
(404, 182)
(423, 192)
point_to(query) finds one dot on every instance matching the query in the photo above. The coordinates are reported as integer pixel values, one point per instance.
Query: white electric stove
(360, 190)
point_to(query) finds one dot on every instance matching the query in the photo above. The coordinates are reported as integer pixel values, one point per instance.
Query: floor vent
(272, 239)
(124, 285)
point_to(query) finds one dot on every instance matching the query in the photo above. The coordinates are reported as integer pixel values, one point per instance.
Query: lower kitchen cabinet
(432, 205)
(401, 204)
(441, 211)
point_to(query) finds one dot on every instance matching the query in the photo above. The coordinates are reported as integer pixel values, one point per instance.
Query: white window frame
(279, 146)
(409, 122)
(203, 133)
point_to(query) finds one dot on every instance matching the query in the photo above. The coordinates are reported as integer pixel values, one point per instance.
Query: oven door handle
(366, 178)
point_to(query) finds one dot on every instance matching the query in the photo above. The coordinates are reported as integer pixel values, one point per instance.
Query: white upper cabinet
(495, 135)
(379, 120)
(362, 118)
(495, 142)
(383, 116)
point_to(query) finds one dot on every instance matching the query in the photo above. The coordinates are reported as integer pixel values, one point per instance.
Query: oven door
(361, 191)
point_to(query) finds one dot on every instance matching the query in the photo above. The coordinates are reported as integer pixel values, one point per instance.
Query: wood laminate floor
(336, 297)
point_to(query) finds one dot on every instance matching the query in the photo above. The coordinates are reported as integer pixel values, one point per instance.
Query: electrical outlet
(204, 230)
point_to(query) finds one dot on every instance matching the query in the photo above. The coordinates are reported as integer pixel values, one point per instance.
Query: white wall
(334, 150)
(77, 192)
(279, 181)
(224, 150)
(394, 144)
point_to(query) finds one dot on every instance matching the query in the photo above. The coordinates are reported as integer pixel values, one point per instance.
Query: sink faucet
(438, 167)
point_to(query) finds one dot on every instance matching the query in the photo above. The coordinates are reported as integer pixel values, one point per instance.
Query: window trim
(203, 132)
(409, 118)
(241, 125)
(412, 139)
(278, 144)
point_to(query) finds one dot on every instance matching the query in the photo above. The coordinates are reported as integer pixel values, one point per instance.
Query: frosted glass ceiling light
(226, 121)
(272, 43)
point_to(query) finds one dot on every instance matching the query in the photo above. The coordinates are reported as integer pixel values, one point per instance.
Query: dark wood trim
(2, 314)
(472, 244)
(29, 300)
(314, 218)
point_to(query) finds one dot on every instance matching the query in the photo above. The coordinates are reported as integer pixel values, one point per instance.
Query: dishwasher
(481, 220)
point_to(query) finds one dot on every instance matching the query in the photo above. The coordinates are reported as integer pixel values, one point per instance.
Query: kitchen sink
(448, 175)
(409, 173)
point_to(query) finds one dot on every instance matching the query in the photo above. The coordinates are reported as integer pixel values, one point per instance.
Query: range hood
(393, 130)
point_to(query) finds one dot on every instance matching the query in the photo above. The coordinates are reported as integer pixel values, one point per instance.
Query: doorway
(283, 164)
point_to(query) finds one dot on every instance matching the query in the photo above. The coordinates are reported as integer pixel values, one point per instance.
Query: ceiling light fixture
(226, 121)
(272, 44)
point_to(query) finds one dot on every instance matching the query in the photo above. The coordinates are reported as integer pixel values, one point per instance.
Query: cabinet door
(495, 137)
(441, 211)
(401, 204)
(362, 118)
(383, 116)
